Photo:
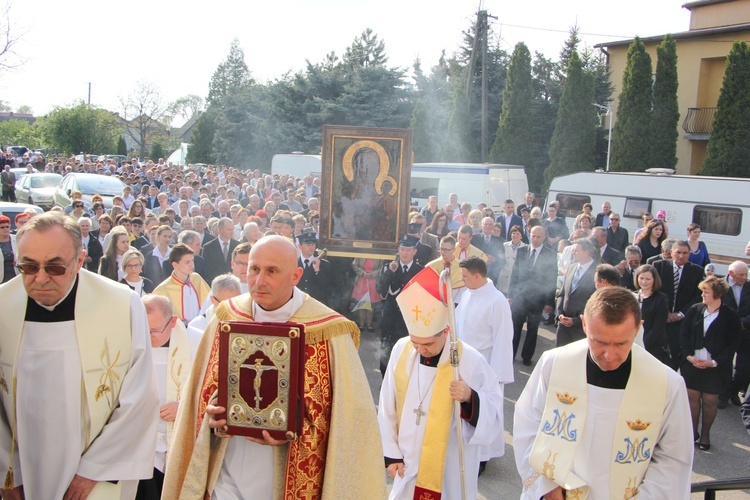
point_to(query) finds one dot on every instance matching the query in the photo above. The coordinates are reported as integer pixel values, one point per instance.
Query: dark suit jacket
(687, 291)
(153, 270)
(425, 253)
(105, 271)
(216, 264)
(532, 288)
(571, 302)
(514, 221)
(140, 242)
(612, 256)
(496, 249)
(151, 204)
(743, 308)
(94, 250)
(628, 279)
(654, 311)
(599, 219)
(317, 285)
(721, 340)
(148, 285)
(524, 205)
(392, 324)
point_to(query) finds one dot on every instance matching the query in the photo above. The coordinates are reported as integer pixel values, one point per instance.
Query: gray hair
(187, 237)
(632, 249)
(667, 244)
(48, 221)
(228, 282)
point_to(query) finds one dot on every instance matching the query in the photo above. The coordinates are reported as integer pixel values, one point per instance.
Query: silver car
(38, 189)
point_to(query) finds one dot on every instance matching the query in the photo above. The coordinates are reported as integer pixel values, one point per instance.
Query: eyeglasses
(133, 266)
(77, 205)
(50, 269)
(152, 332)
(5, 226)
(446, 250)
(614, 220)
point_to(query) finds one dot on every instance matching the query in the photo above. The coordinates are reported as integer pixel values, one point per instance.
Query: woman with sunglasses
(131, 265)
(8, 247)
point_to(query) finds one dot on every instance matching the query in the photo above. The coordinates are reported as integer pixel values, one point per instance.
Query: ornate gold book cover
(261, 377)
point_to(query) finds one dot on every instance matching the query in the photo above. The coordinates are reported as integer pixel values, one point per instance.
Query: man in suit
(629, 266)
(532, 290)
(193, 241)
(508, 219)
(152, 200)
(602, 218)
(91, 244)
(218, 252)
(8, 179)
(609, 255)
(680, 279)
(492, 246)
(317, 276)
(666, 251)
(578, 286)
(393, 277)
(738, 298)
(529, 203)
(425, 253)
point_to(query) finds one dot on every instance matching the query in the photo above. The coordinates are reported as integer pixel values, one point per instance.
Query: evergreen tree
(201, 142)
(230, 76)
(157, 151)
(366, 50)
(666, 113)
(515, 132)
(631, 140)
(728, 148)
(572, 148)
(122, 147)
(432, 110)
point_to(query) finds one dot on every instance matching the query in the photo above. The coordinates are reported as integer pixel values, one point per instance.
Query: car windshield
(45, 181)
(99, 184)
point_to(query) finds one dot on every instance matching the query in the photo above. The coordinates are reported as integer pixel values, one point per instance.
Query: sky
(178, 45)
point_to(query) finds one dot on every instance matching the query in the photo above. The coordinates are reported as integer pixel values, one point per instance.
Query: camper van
(719, 204)
(472, 182)
(296, 164)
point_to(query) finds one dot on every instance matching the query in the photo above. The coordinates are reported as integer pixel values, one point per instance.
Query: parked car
(37, 189)
(118, 158)
(88, 185)
(12, 209)
(21, 171)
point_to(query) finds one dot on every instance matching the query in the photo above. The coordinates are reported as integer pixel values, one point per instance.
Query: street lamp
(609, 136)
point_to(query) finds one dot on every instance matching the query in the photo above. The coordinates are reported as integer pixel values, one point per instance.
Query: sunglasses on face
(50, 269)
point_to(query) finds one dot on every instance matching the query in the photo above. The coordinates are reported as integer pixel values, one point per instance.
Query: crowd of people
(197, 247)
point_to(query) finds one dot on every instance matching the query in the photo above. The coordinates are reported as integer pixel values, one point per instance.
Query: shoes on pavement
(704, 446)
(721, 404)
(526, 362)
(482, 466)
(735, 399)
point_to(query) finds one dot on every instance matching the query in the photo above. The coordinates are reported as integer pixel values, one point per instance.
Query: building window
(635, 208)
(571, 204)
(718, 220)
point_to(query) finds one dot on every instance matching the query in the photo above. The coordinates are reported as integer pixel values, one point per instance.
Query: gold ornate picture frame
(365, 190)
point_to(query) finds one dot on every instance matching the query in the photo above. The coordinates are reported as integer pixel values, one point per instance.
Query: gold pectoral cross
(418, 411)
(258, 368)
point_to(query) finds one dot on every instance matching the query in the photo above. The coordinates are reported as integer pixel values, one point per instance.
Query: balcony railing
(699, 121)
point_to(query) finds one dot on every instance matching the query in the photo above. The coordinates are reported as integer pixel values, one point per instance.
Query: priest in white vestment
(483, 320)
(77, 381)
(601, 418)
(416, 417)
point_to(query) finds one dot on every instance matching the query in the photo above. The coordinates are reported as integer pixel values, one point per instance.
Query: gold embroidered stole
(564, 417)
(178, 368)
(171, 288)
(104, 351)
(439, 415)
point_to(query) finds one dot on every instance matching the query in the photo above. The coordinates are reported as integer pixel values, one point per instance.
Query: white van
(296, 164)
(718, 204)
(472, 182)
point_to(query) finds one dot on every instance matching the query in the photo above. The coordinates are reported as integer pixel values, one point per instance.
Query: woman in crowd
(698, 250)
(650, 240)
(105, 226)
(511, 249)
(131, 265)
(364, 295)
(270, 208)
(582, 222)
(439, 225)
(709, 337)
(8, 247)
(654, 311)
(536, 213)
(475, 221)
(137, 209)
(587, 209)
(110, 266)
(488, 212)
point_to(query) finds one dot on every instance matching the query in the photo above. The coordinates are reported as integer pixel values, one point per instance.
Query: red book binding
(261, 378)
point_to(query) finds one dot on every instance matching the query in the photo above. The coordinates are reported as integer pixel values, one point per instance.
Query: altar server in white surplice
(420, 441)
(483, 320)
(223, 287)
(601, 417)
(79, 398)
(173, 352)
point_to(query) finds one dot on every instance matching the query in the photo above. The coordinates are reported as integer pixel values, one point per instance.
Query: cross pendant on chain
(418, 411)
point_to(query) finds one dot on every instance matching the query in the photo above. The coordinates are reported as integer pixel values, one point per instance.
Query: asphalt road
(727, 458)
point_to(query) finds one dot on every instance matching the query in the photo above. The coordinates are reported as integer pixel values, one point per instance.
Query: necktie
(532, 259)
(307, 263)
(406, 269)
(576, 278)
(677, 272)
(487, 239)
(225, 249)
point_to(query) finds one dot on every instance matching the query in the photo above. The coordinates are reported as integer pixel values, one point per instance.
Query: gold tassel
(9, 478)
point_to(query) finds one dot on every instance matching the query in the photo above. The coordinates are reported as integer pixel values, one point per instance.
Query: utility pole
(89, 94)
(480, 43)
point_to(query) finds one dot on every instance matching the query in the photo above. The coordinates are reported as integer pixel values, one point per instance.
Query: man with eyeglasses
(56, 357)
(173, 349)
